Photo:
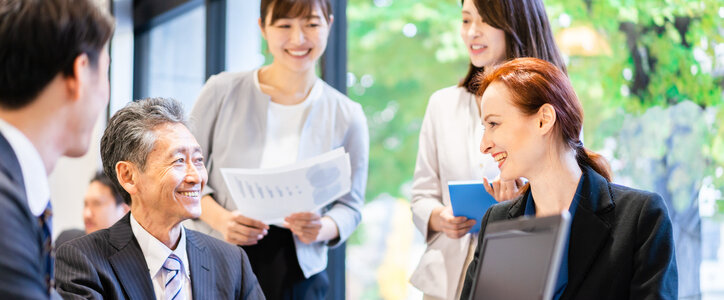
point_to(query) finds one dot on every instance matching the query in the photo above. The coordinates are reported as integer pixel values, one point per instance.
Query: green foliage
(405, 72)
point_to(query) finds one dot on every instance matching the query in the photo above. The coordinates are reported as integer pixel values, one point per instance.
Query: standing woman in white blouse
(274, 116)
(493, 31)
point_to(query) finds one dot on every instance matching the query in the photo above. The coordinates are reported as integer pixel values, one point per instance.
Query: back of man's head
(40, 39)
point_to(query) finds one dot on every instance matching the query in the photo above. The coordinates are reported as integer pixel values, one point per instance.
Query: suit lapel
(590, 229)
(200, 263)
(9, 163)
(129, 263)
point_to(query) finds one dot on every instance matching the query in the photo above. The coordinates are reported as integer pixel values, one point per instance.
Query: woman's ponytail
(593, 160)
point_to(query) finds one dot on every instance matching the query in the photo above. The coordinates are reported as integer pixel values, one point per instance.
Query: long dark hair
(527, 33)
(534, 82)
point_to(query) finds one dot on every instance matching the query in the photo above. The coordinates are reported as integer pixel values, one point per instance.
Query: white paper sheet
(271, 194)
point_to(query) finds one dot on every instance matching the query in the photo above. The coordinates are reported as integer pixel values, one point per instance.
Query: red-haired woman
(620, 244)
(493, 31)
(273, 116)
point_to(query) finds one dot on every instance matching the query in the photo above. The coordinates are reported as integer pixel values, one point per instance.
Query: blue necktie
(46, 224)
(174, 278)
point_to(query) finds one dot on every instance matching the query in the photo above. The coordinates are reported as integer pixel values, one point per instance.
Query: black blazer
(621, 243)
(109, 264)
(22, 267)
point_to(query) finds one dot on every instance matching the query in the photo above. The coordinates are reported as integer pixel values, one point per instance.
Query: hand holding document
(271, 194)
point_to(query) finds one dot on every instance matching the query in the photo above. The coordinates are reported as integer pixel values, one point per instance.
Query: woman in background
(620, 244)
(274, 116)
(493, 31)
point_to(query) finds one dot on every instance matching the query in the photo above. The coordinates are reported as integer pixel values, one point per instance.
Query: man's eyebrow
(182, 149)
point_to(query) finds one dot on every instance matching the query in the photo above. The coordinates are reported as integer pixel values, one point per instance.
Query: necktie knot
(172, 263)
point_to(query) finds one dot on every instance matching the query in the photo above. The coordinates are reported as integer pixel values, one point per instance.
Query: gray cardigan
(229, 122)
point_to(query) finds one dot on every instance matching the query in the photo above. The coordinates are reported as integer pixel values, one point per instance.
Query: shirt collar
(35, 176)
(156, 252)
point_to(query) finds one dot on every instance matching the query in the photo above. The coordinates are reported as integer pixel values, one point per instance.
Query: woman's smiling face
(297, 43)
(485, 43)
(511, 137)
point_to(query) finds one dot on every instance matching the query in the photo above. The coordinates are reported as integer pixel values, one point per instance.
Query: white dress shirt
(35, 176)
(156, 253)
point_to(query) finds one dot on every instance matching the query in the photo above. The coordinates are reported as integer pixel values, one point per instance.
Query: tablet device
(520, 258)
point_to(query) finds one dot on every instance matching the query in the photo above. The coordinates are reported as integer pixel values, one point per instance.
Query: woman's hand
(503, 190)
(241, 230)
(443, 220)
(233, 226)
(305, 225)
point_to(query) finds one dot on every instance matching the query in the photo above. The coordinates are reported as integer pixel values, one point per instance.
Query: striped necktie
(46, 225)
(173, 278)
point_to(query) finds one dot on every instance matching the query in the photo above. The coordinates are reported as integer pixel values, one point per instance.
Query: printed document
(271, 194)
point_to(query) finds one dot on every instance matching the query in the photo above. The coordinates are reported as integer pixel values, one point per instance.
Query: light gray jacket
(229, 122)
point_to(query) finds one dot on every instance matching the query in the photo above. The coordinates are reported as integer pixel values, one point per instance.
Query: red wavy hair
(534, 82)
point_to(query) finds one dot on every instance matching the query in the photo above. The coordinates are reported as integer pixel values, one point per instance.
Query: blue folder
(469, 199)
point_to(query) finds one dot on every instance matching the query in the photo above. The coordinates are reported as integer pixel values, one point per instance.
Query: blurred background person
(103, 206)
(274, 116)
(621, 243)
(492, 31)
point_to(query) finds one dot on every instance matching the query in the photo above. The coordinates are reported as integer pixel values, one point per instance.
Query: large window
(172, 61)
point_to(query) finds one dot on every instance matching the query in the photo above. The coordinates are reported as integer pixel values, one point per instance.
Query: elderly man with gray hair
(148, 151)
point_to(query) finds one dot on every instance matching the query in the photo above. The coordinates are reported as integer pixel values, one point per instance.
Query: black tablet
(520, 258)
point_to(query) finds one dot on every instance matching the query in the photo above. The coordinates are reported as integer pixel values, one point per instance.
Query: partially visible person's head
(148, 151)
(531, 114)
(53, 57)
(296, 31)
(521, 24)
(103, 204)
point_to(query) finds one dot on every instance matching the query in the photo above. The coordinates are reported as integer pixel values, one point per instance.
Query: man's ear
(127, 176)
(546, 118)
(73, 82)
(261, 28)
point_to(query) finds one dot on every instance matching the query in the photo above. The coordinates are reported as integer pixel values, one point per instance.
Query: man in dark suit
(151, 155)
(53, 85)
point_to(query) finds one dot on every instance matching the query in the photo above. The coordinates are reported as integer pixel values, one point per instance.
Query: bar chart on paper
(271, 194)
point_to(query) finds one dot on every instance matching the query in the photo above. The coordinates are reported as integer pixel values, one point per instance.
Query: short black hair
(41, 38)
(103, 179)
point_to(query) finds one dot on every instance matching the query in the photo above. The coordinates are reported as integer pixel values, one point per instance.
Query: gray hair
(130, 134)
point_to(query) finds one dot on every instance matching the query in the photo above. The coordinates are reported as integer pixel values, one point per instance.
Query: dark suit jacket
(22, 266)
(621, 243)
(68, 235)
(109, 264)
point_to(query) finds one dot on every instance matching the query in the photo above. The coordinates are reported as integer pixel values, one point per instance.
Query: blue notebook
(469, 199)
